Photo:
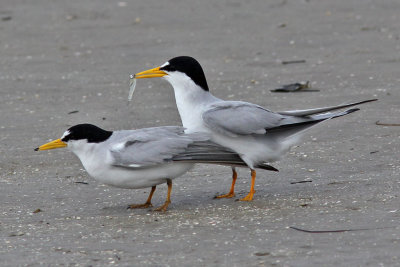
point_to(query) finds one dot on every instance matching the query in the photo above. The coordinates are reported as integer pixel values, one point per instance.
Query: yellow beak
(52, 145)
(152, 73)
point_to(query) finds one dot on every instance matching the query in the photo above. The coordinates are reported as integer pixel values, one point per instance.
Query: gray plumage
(256, 134)
(235, 118)
(308, 112)
(151, 146)
(212, 153)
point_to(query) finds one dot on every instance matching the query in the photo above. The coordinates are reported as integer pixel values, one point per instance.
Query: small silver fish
(132, 85)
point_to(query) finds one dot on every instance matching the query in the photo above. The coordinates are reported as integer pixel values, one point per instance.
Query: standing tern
(143, 158)
(255, 133)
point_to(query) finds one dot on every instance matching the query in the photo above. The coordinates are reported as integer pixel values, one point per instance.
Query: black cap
(191, 67)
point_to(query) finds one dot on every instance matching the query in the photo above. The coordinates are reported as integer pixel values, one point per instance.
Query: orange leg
(145, 205)
(232, 191)
(249, 196)
(168, 201)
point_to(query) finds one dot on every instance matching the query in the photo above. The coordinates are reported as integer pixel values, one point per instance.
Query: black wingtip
(36, 149)
(369, 100)
(267, 167)
(352, 110)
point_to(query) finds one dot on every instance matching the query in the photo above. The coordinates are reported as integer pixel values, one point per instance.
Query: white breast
(97, 162)
(191, 101)
(141, 178)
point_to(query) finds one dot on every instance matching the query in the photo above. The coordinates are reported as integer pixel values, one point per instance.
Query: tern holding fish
(255, 133)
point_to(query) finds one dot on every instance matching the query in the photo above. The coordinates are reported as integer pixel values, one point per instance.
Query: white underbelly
(139, 178)
(253, 149)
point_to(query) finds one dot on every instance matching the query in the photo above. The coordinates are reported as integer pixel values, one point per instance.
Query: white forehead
(65, 134)
(165, 64)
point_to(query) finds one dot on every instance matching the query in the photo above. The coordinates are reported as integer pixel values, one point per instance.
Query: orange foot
(249, 197)
(164, 207)
(229, 195)
(140, 206)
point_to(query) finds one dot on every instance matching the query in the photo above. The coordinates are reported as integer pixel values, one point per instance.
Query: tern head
(77, 136)
(178, 71)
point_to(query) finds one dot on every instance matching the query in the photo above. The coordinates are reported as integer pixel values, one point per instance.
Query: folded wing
(150, 146)
(235, 118)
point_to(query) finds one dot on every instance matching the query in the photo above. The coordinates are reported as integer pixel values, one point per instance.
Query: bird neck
(191, 100)
(86, 152)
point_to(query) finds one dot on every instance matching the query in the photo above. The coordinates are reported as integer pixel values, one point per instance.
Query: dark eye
(168, 68)
(67, 138)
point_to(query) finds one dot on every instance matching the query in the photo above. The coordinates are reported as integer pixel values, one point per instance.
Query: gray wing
(212, 153)
(300, 120)
(296, 125)
(235, 118)
(308, 112)
(150, 146)
(208, 152)
(240, 118)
